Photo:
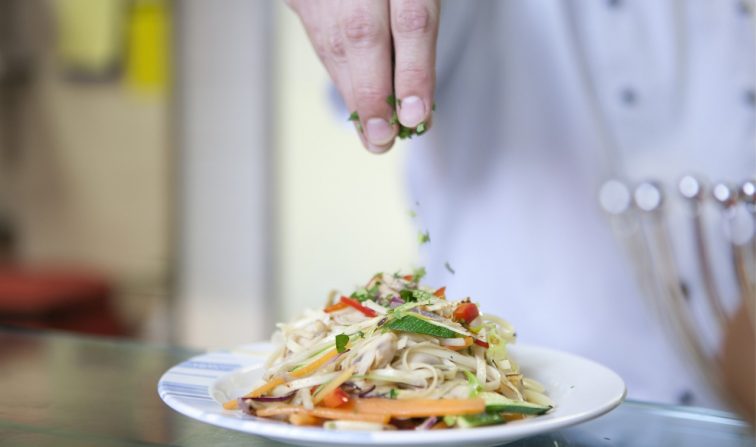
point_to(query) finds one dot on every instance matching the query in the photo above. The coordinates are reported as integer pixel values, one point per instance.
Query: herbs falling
(341, 342)
(356, 118)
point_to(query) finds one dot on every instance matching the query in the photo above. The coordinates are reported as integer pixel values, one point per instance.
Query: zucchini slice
(479, 420)
(496, 403)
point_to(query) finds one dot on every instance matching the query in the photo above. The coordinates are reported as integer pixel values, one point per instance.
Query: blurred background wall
(86, 163)
(180, 172)
(343, 212)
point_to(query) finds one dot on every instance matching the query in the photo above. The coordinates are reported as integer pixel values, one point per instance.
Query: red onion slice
(427, 424)
(245, 407)
(283, 398)
(430, 315)
(366, 392)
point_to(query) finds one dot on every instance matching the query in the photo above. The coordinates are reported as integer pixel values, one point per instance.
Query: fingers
(414, 26)
(324, 32)
(335, 58)
(320, 21)
(353, 39)
(367, 43)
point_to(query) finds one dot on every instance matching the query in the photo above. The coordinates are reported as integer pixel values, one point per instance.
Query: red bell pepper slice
(481, 343)
(368, 312)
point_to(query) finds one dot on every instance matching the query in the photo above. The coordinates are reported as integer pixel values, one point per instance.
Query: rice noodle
(416, 362)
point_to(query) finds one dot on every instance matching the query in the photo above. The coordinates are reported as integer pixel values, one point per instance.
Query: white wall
(342, 211)
(259, 244)
(223, 117)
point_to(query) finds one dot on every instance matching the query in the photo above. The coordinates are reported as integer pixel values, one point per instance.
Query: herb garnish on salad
(394, 355)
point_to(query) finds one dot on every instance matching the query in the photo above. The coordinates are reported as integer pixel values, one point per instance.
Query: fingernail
(379, 132)
(411, 111)
(378, 149)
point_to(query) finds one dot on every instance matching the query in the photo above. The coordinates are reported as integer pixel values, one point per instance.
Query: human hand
(377, 50)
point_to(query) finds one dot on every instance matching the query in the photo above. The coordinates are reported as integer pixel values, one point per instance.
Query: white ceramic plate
(581, 389)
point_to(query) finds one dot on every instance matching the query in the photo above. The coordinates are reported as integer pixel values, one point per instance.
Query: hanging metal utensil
(640, 219)
(692, 189)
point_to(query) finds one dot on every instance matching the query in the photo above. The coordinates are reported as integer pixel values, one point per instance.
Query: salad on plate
(394, 355)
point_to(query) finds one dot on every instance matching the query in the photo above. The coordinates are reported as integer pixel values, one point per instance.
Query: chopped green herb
(407, 296)
(360, 334)
(414, 295)
(434, 106)
(394, 118)
(363, 294)
(449, 268)
(360, 294)
(418, 274)
(412, 214)
(420, 129)
(393, 394)
(423, 237)
(405, 132)
(354, 116)
(341, 342)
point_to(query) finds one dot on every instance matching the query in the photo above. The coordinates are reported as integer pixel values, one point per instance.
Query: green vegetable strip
(475, 386)
(408, 323)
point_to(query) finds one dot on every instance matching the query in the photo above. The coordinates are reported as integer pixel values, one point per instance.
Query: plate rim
(315, 435)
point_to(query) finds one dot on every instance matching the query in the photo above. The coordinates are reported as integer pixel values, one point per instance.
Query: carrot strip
(325, 413)
(336, 306)
(257, 392)
(274, 382)
(304, 419)
(440, 293)
(315, 365)
(419, 407)
(283, 410)
(349, 415)
(332, 385)
(231, 405)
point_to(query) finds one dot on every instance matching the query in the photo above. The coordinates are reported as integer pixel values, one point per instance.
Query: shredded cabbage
(395, 364)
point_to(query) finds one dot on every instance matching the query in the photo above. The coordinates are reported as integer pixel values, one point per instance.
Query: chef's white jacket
(539, 102)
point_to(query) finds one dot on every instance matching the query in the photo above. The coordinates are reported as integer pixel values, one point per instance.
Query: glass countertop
(68, 390)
